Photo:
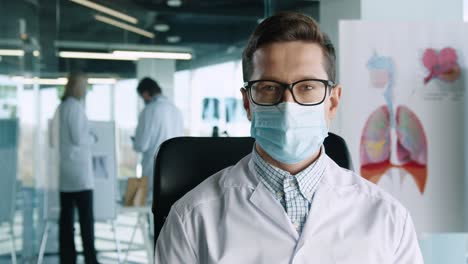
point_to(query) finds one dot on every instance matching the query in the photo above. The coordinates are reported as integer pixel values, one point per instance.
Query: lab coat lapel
(320, 206)
(314, 240)
(266, 203)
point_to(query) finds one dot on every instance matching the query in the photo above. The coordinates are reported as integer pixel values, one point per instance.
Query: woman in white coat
(76, 181)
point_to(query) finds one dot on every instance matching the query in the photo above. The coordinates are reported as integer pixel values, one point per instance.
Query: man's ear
(245, 99)
(335, 97)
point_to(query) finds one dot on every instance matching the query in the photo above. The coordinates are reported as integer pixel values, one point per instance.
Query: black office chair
(337, 150)
(184, 162)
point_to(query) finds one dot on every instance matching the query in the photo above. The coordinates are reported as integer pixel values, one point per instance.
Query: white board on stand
(104, 168)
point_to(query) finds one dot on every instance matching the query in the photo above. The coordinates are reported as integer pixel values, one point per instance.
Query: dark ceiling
(215, 30)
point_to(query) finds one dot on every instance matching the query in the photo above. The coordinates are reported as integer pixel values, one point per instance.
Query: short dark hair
(284, 27)
(149, 85)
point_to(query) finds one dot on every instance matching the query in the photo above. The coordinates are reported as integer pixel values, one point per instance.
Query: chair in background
(184, 162)
(337, 150)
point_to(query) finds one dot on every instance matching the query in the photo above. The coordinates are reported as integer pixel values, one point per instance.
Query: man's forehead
(298, 58)
(292, 49)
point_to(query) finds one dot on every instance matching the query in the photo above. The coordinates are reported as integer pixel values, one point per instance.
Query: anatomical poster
(402, 114)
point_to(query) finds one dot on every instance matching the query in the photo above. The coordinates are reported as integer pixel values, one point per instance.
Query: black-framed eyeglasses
(305, 92)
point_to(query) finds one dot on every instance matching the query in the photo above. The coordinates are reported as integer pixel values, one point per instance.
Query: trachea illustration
(392, 138)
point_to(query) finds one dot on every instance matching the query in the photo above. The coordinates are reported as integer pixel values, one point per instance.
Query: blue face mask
(289, 132)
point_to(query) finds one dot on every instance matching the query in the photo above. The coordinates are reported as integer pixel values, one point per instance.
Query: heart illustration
(442, 65)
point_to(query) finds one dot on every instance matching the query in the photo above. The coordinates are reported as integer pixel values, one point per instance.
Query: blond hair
(76, 85)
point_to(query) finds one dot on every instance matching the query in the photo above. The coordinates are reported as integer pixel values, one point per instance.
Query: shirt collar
(273, 177)
(155, 98)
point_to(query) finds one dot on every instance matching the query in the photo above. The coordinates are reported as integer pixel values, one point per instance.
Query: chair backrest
(337, 150)
(184, 162)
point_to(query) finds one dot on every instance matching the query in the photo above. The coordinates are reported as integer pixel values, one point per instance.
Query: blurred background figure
(215, 132)
(159, 121)
(76, 182)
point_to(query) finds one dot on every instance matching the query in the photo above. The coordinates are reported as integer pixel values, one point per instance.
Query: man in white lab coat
(159, 121)
(288, 202)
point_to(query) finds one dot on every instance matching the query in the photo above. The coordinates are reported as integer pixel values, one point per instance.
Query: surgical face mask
(289, 132)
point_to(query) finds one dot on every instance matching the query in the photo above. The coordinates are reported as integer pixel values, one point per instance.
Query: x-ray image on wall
(234, 110)
(100, 166)
(210, 109)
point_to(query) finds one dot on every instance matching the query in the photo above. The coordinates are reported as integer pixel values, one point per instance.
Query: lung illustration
(403, 145)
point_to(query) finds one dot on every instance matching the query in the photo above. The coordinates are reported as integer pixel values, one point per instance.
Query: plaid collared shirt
(294, 192)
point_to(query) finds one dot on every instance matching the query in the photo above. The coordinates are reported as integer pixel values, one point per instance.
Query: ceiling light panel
(12, 52)
(119, 24)
(60, 81)
(106, 10)
(94, 56)
(161, 27)
(174, 3)
(102, 80)
(173, 39)
(154, 54)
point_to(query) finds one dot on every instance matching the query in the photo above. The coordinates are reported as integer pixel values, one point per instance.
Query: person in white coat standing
(76, 180)
(159, 121)
(287, 201)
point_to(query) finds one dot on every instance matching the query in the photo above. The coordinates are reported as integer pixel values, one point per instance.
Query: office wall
(435, 10)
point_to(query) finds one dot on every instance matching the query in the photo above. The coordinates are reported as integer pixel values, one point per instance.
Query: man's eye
(308, 87)
(270, 88)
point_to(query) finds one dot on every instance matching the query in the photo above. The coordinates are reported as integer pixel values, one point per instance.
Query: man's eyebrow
(310, 76)
(300, 78)
(269, 78)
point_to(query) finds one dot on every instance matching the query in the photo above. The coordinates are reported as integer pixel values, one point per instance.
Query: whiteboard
(8, 165)
(105, 170)
(104, 161)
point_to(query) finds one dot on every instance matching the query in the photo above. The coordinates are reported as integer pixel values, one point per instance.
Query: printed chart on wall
(402, 114)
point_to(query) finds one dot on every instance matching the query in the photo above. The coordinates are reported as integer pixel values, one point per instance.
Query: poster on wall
(402, 114)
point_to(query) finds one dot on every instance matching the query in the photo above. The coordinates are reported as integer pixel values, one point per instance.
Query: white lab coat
(232, 218)
(75, 172)
(160, 120)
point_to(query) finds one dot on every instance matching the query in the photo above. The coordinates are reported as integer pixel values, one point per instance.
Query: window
(209, 97)
(126, 118)
(98, 103)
